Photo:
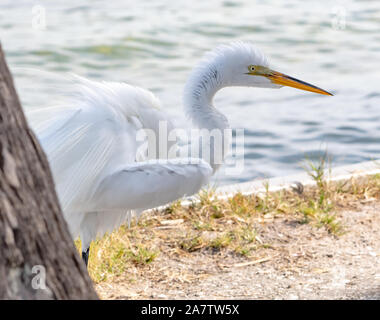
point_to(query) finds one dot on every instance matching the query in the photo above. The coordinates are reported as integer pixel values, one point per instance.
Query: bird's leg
(85, 255)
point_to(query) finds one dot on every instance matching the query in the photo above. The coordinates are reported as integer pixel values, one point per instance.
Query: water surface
(154, 44)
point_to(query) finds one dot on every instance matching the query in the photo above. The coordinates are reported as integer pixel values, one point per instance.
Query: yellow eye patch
(255, 70)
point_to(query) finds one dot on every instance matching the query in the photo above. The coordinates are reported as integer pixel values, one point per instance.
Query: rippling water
(154, 44)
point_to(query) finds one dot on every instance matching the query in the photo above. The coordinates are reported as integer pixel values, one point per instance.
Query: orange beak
(285, 80)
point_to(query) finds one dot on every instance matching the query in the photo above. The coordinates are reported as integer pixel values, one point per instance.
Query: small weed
(192, 243)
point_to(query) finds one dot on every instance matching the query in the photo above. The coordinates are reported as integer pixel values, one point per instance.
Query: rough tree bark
(35, 244)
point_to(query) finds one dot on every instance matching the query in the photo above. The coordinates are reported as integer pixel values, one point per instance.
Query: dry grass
(224, 226)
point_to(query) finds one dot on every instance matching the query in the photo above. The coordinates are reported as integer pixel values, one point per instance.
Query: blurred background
(154, 44)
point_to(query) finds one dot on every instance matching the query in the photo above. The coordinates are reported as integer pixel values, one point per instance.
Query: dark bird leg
(85, 255)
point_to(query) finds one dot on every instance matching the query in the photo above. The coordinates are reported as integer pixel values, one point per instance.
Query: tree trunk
(38, 259)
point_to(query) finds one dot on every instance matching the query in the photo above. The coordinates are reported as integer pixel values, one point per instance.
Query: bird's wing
(149, 184)
(91, 146)
(133, 188)
(79, 146)
(95, 134)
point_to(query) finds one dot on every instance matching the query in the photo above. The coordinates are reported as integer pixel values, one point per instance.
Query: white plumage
(92, 147)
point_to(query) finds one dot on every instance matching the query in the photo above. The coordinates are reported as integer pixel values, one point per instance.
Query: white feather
(91, 147)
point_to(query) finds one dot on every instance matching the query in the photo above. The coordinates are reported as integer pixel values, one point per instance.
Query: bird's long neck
(200, 90)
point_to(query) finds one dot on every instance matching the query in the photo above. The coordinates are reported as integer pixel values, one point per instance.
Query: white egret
(91, 144)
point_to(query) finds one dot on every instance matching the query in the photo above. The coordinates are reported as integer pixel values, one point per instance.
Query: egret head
(237, 64)
(241, 64)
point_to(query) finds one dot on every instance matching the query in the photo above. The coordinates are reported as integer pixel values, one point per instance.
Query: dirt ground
(302, 262)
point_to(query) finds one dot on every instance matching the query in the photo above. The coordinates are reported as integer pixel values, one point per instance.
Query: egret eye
(251, 68)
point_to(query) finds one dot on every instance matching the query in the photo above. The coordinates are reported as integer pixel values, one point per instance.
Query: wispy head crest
(238, 50)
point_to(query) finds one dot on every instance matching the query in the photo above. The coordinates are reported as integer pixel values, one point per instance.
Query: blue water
(154, 44)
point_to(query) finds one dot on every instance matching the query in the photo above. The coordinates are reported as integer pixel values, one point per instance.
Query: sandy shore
(302, 262)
